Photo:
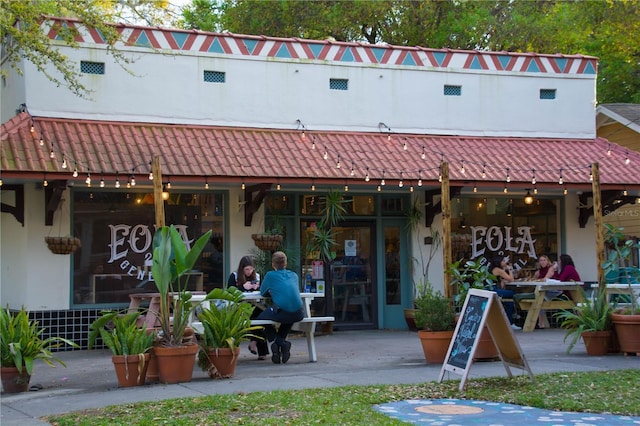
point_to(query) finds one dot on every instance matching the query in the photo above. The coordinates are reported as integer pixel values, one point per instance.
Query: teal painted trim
(533, 67)
(589, 69)
(180, 38)
(504, 60)
(348, 55)
(143, 40)
(316, 49)
(378, 53)
(216, 47)
(283, 52)
(561, 63)
(475, 64)
(250, 45)
(440, 57)
(408, 60)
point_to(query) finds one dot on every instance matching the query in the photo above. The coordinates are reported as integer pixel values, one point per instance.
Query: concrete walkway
(344, 358)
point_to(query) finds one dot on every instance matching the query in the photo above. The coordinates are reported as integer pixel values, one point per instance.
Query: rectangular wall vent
(214, 76)
(87, 67)
(452, 90)
(547, 93)
(338, 84)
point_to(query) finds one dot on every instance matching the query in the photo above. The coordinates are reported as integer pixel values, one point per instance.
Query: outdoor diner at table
(307, 325)
(540, 302)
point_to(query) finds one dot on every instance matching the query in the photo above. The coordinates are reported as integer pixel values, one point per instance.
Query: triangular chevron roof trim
(333, 51)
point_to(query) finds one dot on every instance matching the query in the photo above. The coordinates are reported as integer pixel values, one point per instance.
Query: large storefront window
(116, 230)
(482, 227)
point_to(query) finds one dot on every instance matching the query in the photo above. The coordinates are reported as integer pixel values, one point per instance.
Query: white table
(616, 288)
(307, 325)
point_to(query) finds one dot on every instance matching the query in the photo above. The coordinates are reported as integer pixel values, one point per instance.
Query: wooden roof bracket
(612, 200)
(431, 208)
(52, 198)
(253, 203)
(16, 210)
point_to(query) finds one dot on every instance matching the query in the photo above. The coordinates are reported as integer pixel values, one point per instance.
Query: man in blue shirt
(283, 287)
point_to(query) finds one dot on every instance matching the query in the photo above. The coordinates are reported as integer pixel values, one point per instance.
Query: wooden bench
(306, 325)
(525, 304)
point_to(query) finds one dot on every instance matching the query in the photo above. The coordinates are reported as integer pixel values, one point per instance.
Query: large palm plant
(172, 262)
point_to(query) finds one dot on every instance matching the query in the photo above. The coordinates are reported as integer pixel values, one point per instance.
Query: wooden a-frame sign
(482, 308)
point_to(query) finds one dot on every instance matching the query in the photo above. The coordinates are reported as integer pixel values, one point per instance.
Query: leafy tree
(601, 28)
(23, 37)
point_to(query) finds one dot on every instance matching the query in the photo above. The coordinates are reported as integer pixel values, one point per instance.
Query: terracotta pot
(435, 345)
(175, 363)
(409, 317)
(596, 342)
(152, 369)
(628, 331)
(224, 362)
(131, 370)
(485, 349)
(14, 381)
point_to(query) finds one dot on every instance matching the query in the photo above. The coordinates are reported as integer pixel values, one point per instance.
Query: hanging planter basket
(267, 242)
(62, 245)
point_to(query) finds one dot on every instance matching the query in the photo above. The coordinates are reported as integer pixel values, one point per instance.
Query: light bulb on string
(41, 141)
(52, 154)
(404, 146)
(353, 170)
(168, 183)
(75, 171)
(609, 150)
(313, 186)
(625, 192)
(243, 186)
(338, 163)
(508, 176)
(505, 190)
(379, 188)
(64, 162)
(462, 170)
(565, 191)
(560, 181)
(475, 188)
(423, 155)
(44, 180)
(278, 187)
(206, 183)
(411, 188)
(535, 190)
(313, 143)
(101, 181)
(484, 171)
(627, 160)
(382, 183)
(400, 184)
(346, 188)
(533, 176)
(117, 185)
(590, 177)
(88, 179)
(151, 175)
(133, 180)
(325, 155)
(366, 177)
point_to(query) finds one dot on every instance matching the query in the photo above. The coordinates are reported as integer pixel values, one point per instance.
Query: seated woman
(565, 270)
(545, 270)
(503, 272)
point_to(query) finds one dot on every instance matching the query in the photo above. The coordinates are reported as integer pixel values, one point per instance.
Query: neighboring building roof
(171, 39)
(627, 115)
(195, 153)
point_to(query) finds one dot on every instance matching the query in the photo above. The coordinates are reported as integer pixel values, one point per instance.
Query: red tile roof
(192, 153)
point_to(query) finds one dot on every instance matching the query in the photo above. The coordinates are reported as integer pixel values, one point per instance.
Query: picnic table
(541, 301)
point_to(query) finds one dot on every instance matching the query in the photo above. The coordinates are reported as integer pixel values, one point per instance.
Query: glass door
(352, 276)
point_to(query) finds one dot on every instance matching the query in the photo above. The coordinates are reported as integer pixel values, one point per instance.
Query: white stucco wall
(275, 93)
(31, 275)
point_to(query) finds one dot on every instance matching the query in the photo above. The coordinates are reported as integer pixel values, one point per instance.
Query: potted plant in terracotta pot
(590, 320)
(435, 319)
(473, 275)
(172, 262)
(412, 228)
(21, 343)
(224, 326)
(626, 319)
(129, 344)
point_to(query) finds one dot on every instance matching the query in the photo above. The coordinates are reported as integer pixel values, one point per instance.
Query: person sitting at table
(545, 270)
(503, 272)
(283, 286)
(247, 279)
(565, 270)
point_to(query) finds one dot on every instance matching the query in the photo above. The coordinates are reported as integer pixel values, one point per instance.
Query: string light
(101, 181)
(508, 177)
(133, 180)
(560, 181)
(338, 162)
(325, 155)
(624, 192)
(117, 185)
(243, 186)
(88, 179)
(168, 183)
(533, 176)
(41, 140)
(366, 177)
(313, 185)
(382, 183)
(379, 188)
(400, 184)
(346, 188)
(313, 143)
(505, 189)
(424, 155)
(590, 176)
(462, 170)
(565, 191)
(627, 160)
(44, 180)
(609, 150)
(404, 146)
(64, 162)
(278, 187)
(75, 170)
(151, 175)
(475, 188)
(52, 154)
(411, 188)
(206, 183)
(419, 177)
(353, 170)
(484, 172)
(535, 190)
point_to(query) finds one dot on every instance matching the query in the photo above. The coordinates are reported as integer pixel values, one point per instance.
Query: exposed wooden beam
(253, 203)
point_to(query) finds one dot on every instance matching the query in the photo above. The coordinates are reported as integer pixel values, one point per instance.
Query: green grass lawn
(611, 392)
